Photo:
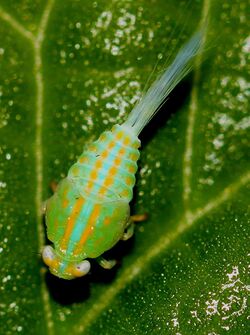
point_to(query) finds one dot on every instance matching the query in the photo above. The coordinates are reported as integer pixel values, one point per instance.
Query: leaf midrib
(36, 42)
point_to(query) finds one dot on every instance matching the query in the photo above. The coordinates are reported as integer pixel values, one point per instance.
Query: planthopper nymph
(89, 211)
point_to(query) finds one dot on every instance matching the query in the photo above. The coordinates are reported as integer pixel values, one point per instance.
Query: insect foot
(129, 231)
(106, 264)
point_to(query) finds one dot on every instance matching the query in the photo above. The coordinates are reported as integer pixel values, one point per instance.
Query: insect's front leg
(106, 264)
(128, 233)
(129, 230)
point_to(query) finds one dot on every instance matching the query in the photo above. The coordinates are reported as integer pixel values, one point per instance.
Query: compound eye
(81, 269)
(48, 255)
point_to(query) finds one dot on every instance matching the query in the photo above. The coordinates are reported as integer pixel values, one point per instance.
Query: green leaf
(71, 69)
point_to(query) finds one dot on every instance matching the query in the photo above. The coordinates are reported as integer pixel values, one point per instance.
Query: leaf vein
(39, 80)
(188, 153)
(17, 26)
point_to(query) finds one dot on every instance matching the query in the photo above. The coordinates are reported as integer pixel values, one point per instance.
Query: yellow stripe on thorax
(71, 222)
(88, 230)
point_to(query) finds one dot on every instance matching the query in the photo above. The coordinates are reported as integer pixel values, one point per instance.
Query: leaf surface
(70, 70)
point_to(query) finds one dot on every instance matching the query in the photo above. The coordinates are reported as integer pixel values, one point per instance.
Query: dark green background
(186, 269)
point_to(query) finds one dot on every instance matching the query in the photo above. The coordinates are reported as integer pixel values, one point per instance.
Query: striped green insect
(89, 212)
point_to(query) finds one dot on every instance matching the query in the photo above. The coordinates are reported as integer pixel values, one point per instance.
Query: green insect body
(89, 212)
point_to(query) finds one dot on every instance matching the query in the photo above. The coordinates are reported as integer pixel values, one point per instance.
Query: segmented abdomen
(107, 168)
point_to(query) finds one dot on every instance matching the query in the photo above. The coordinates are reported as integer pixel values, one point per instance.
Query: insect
(89, 212)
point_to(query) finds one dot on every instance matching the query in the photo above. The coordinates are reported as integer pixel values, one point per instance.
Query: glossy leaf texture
(70, 70)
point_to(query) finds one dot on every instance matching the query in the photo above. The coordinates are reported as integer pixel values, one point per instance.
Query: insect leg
(53, 186)
(139, 217)
(106, 264)
(129, 231)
